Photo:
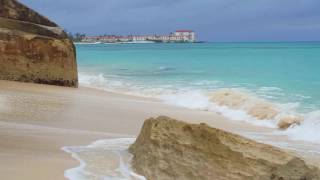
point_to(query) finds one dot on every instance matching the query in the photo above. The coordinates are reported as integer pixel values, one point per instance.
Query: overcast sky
(213, 20)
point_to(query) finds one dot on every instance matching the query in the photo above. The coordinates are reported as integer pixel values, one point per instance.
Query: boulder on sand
(169, 149)
(33, 48)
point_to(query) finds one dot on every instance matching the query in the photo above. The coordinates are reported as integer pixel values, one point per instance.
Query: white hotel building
(177, 36)
(185, 35)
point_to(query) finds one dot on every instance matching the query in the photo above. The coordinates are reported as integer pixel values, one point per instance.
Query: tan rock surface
(170, 149)
(34, 49)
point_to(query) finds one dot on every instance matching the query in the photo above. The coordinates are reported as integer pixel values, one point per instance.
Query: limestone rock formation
(34, 49)
(169, 149)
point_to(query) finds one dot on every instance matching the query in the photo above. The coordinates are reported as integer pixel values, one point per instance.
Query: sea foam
(244, 106)
(308, 130)
(104, 159)
(201, 101)
(240, 104)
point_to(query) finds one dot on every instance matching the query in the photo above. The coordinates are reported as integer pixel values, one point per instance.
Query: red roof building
(184, 30)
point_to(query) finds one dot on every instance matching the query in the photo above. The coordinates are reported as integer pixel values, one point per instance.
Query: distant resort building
(177, 36)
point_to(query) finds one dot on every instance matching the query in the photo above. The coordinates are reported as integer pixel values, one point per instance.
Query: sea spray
(201, 101)
(258, 108)
(238, 105)
(308, 130)
(104, 159)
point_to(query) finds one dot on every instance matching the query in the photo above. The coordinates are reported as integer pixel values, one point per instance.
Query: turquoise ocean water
(258, 83)
(285, 74)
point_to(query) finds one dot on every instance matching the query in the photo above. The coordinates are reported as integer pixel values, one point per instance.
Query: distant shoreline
(139, 42)
(197, 42)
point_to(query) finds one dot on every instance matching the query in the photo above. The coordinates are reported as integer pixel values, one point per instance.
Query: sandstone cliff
(34, 49)
(170, 149)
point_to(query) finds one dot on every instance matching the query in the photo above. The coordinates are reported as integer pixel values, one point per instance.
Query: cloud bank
(213, 20)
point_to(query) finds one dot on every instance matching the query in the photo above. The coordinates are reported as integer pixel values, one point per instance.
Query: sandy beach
(36, 121)
(125, 97)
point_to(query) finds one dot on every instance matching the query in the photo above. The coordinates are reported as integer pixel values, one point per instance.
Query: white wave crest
(99, 81)
(238, 104)
(201, 101)
(308, 130)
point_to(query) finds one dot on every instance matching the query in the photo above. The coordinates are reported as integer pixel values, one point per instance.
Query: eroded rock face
(34, 49)
(169, 149)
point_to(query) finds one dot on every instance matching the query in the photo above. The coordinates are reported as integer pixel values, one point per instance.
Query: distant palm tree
(78, 37)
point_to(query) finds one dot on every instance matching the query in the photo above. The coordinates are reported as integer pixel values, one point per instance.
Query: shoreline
(36, 121)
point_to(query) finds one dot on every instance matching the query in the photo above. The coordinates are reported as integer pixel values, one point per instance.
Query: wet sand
(37, 120)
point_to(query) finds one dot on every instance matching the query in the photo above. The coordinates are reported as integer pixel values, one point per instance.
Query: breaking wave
(240, 105)
(259, 108)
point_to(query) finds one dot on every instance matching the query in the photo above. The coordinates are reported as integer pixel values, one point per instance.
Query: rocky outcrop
(170, 149)
(34, 49)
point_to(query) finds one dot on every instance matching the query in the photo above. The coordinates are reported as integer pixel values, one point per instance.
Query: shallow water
(102, 160)
(280, 77)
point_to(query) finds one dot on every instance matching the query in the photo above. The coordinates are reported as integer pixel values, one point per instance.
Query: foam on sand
(103, 159)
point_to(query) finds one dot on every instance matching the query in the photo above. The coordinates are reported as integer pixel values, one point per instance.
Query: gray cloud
(214, 20)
